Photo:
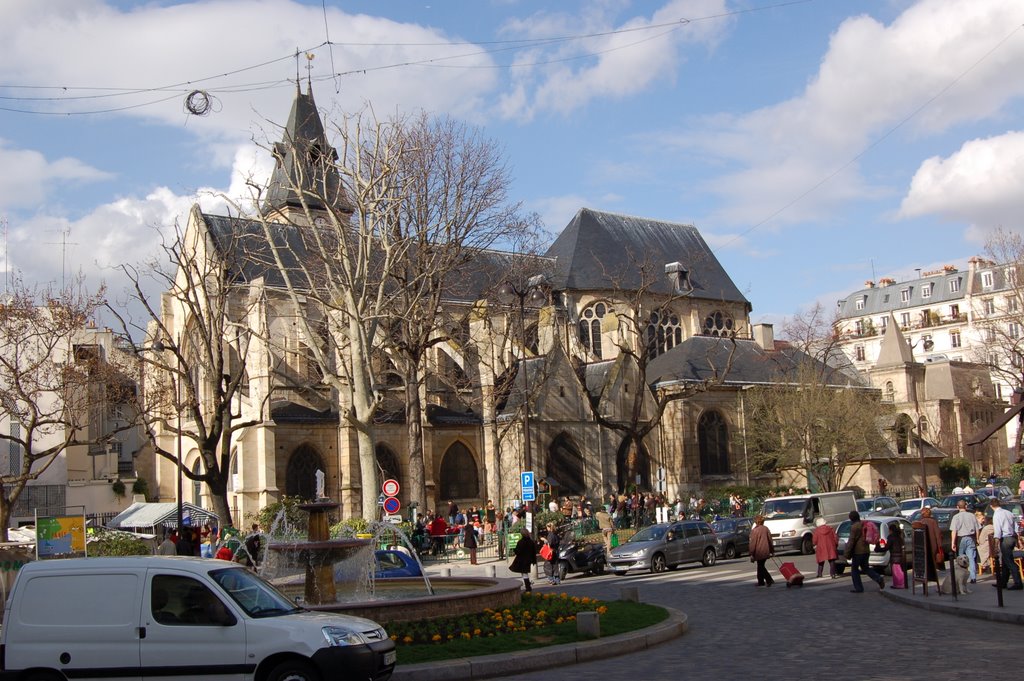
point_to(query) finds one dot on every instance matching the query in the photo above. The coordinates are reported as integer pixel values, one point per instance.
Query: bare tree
(454, 204)
(647, 323)
(1001, 318)
(198, 339)
(815, 419)
(49, 391)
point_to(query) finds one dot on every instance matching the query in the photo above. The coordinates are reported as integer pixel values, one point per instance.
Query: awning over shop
(149, 516)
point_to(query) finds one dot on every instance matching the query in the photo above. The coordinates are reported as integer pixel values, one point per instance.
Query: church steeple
(895, 350)
(304, 164)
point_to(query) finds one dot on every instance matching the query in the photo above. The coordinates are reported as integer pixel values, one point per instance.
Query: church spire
(304, 163)
(895, 350)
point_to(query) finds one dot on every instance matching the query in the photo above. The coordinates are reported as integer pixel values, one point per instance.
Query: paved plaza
(740, 631)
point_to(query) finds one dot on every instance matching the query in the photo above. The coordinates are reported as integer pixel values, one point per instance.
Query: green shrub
(954, 471)
(140, 486)
(114, 543)
(295, 520)
(118, 488)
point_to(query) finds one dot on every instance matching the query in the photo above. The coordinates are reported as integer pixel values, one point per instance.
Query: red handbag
(546, 552)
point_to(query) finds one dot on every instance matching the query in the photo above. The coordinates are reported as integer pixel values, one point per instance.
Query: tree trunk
(417, 492)
(218, 486)
(5, 516)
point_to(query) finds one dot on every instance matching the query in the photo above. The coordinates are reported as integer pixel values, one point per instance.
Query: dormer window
(905, 295)
(926, 291)
(860, 302)
(986, 280)
(954, 285)
(679, 277)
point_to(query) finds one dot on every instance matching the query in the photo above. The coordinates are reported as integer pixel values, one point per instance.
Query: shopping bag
(545, 552)
(899, 578)
(615, 540)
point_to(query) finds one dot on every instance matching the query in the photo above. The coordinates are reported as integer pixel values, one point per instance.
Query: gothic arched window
(713, 442)
(719, 324)
(300, 476)
(590, 328)
(664, 332)
(459, 478)
(565, 465)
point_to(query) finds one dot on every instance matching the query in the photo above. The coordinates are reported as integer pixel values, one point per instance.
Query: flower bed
(535, 611)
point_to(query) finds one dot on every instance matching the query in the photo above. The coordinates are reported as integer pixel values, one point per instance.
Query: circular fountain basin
(396, 600)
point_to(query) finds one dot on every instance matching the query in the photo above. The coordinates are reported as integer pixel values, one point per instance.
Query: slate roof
(290, 412)
(702, 358)
(603, 251)
(885, 299)
(442, 416)
(305, 162)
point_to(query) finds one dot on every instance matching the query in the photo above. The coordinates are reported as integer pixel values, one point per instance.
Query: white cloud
(873, 78)
(570, 74)
(981, 184)
(27, 177)
(179, 47)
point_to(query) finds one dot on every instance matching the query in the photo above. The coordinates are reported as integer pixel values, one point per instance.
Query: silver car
(664, 546)
(879, 558)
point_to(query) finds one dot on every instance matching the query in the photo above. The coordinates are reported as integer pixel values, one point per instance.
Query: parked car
(394, 563)
(943, 516)
(664, 546)
(975, 501)
(878, 506)
(879, 557)
(733, 536)
(1014, 507)
(995, 492)
(908, 506)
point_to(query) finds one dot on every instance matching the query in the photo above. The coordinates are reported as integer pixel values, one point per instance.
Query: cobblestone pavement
(740, 631)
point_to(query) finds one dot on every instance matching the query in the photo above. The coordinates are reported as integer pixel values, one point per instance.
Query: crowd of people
(207, 541)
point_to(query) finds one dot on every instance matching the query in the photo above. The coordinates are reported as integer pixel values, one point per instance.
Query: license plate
(390, 657)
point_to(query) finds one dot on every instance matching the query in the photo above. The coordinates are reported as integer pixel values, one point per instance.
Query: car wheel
(730, 552)
(658, 563)
(598, 568)
(807, 546)
(562, 570)
(619, 573)
(293, 670)
(710, 556)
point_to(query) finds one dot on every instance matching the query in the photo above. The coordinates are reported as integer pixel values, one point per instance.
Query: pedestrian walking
(1005, 532)
(525, 557)
(761, 549)
(984, 554)
(553, 542)
(897, 555)
(826, 545)
(469, 541)
(934, 554)
(857, 552)
(604, 522)
(964, 530)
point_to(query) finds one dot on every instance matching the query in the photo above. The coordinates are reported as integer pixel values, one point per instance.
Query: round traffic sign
(391, 505)
(390, 487)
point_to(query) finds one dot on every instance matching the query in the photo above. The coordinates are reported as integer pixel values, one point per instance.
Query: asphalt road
(820, 631)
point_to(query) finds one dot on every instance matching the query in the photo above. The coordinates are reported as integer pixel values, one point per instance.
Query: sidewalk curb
(936, 604)
(487, 666)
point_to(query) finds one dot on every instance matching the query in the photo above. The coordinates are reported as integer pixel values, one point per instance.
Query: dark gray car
(664, 546)
(733, 536)
(878, 506)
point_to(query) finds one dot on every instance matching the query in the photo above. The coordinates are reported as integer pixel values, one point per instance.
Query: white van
(791, 519)
(176, 618)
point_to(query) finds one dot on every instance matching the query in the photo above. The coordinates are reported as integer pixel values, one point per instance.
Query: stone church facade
(619, 313)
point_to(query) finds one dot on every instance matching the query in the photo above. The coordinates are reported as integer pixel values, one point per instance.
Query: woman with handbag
(550, 552)
(897, 556)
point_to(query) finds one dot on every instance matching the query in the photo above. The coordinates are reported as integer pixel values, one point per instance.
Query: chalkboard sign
(921, 556)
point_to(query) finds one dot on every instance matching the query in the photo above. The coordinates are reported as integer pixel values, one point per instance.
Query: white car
(909, 506)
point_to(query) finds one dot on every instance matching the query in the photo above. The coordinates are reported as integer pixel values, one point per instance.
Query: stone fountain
(328, 566)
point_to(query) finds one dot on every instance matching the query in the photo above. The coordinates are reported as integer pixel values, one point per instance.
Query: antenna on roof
(298, 87)
(309, 71)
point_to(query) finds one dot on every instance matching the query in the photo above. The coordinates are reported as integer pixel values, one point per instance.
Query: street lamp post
(160, 346)
(535, 293)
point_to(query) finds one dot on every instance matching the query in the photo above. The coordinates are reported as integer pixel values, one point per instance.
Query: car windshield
(257, 597)
(652, 533)
(952, 500)
(865, 505)
(911, 504)
(784, 508)
(720, 526)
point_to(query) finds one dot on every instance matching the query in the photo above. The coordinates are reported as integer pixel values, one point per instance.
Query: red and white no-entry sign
(390, 488)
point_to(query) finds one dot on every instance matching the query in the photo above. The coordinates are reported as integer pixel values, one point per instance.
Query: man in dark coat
(761, 549)
(857, 552)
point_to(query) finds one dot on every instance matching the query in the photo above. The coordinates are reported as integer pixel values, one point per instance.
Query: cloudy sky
(815, 143)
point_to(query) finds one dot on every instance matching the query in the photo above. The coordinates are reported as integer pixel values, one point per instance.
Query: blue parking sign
(526, 481)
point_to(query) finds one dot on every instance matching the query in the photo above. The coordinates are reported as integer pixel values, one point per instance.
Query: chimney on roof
(764, 336)
(869, 284)
(679, 277)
